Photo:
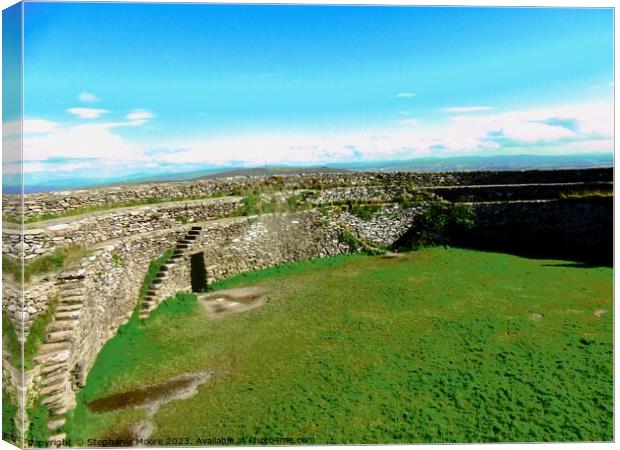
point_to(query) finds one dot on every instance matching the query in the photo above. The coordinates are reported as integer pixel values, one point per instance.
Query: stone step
(54, 424)
(148, 305)
(72, 300)
(55, 399)
(53, 369)
(60, 325)
(58, 336)
(69, 314)
(61, 377)
(190, 237)
(70, 291)
(196, 228)
(182, 246)
(184, 242)
(193, 232)
(58, 410)
(53, 347)
(53, 389)
(168, 266)
(57, 437)
(158, 280)
(49, 359)
(144, 315)
(70, 307)
(151, 292)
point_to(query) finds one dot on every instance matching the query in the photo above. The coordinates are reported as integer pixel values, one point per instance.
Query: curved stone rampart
(59, 202)
(44, 237)
(95, 298)
(99, 294)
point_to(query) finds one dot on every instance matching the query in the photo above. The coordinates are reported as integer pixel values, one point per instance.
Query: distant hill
(276, 170)
(495, 162)
(456, 163)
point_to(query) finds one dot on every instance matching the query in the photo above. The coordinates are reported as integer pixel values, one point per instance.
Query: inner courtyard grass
(443, 345)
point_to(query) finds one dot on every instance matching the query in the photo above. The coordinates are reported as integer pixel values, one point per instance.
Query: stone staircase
(56, 385)
(153, 295)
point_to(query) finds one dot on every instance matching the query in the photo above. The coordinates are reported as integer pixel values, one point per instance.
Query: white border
(488, 3)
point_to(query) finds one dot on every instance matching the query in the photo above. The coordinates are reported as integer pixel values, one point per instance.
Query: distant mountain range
(496, 162)
(430, 164)
(274, 170)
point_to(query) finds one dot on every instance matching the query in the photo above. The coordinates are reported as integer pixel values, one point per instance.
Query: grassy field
(444, 345)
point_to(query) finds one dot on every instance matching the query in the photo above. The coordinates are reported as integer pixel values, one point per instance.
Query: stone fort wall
(101, 292)
(36, 204)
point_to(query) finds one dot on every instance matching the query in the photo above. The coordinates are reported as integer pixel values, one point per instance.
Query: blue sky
(126, 88)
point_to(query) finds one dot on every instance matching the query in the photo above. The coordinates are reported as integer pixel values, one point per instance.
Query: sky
(123, 89)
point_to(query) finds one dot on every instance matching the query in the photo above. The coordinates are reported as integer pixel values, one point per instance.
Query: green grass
(152, 271)
(55, 261)
(364, 211)
(36, 337)
(587, 193)
(254, 204)
(440, 346)
(10, 341)
(38, 433)
(9, 410)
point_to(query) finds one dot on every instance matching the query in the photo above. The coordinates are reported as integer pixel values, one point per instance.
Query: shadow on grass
(579, 265)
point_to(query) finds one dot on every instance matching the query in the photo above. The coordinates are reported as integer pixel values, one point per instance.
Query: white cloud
(405, 94)
(89, 140)
(466, 109)
(87, 113)
(559, 129)
(87, 97)
(39, 126)
(140, 115)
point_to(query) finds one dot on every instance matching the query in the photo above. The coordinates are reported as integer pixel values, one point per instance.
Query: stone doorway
(198, 272)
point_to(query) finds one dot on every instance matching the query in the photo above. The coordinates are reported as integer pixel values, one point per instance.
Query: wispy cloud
(87, 97)
(45, 140)
(405, 94)
(140, 115)
(87, 113)
(561, 129)
(466, 109)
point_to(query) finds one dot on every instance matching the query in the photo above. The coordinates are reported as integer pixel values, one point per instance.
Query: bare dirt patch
(151, 398)
(393, 255)
(233, 301)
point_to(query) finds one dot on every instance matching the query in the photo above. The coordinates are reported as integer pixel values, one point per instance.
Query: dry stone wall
(44, 237)
(101, 293)
(36, 298)
(60, 202)
(578, 228)
(385, 226)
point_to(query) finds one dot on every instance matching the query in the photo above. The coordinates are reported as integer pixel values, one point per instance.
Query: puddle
(151, 398)
(233, 301)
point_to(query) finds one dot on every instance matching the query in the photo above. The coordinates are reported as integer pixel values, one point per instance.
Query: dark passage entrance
(198, 272)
